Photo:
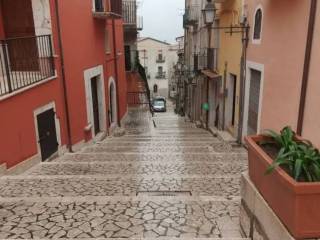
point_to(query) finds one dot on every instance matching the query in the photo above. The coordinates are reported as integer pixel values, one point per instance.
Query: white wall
(148, 59)
(42, 17)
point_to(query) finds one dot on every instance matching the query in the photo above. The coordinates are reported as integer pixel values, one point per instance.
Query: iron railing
(160, 59)
(191, 15)
(161, 75)
(208, 59)
(138, 98)
(25, 61)
(129, 12)
(143, 75)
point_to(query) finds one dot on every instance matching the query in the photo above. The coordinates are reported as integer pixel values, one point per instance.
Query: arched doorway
(112, 102)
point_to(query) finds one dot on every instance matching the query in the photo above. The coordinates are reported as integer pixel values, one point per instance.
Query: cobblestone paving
(154, 157)
(218, 169)
(94, 186)
(171, 182)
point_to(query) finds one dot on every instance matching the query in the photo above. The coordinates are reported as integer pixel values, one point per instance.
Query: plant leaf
(297, 168)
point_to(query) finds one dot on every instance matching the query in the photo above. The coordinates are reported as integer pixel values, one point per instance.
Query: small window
(155, 88)
(160, 56)
(107, 41)
(160, 69)
(257, 25)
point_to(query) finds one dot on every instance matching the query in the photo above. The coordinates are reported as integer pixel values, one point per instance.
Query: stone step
(71, 186)
(212, 148)
(172, 169)
(151, 135)
(154, 157)
(119, 218)
(160, 139)
(158, 143)
(162, 238)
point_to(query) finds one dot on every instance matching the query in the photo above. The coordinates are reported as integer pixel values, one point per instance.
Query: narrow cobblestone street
(172, 180)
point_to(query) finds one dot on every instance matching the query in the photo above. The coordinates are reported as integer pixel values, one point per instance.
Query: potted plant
(286, 171)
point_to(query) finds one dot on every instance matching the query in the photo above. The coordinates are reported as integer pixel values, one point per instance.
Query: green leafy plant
(299, 158)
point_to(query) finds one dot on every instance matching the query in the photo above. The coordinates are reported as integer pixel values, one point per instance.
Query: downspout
(63, 76)
(245, 40)
(116, 67)
(224, 96)
(306, 67)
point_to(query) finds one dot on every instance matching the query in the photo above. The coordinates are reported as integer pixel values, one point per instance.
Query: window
(107, 41)
(160, 56)
(257, 25)
(98, 6)
(160, 69)
(155, 88)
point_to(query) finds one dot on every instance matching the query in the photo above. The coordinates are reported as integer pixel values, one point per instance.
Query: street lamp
(209, 13)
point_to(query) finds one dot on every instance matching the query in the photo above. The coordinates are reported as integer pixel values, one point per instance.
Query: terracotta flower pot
(296, 204)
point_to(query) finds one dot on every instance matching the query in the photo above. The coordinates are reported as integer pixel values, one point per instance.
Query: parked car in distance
(159, 104)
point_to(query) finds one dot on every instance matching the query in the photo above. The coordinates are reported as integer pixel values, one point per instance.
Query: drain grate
(164, 193)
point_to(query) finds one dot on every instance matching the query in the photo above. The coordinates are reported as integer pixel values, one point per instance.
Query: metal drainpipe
(63, 76)
(306, 67)
(224, 96)
(245, 39)
(116, 67)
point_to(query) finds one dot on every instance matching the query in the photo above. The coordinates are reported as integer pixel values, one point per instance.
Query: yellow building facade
(230, 47)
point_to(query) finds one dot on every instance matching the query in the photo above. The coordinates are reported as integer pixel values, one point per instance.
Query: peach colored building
(277, 67)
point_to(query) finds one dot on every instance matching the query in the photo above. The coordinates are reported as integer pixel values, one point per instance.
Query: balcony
(160, 75)
(130, 18)
(191, 16)
(106, 8)
(208, 59)
(160, 60)
(24, 62)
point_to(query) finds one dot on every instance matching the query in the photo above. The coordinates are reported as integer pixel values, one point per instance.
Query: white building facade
(158, 58)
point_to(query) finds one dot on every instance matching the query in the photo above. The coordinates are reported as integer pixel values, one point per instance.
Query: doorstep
(3, 169)
(224, 135)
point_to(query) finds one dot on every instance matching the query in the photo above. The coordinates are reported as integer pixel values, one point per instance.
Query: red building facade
(62, 77)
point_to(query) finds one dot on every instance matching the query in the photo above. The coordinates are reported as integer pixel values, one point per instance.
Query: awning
(210, 74)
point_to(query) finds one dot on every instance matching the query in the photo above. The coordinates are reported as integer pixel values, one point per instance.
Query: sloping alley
(172, 180)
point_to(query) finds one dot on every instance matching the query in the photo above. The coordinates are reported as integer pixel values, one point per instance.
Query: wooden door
(47, 134)
(95, 105)
(20, 31)
(254, 102)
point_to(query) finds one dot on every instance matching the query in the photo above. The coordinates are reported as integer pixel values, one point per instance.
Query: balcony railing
(191, 15)
(208, 59)
(25, 61)
(103, 8)
(138, 98)
(160, 59)
(161, 75)
(129, 13)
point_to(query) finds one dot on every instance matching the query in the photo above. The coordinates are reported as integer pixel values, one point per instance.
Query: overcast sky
(162, 19)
